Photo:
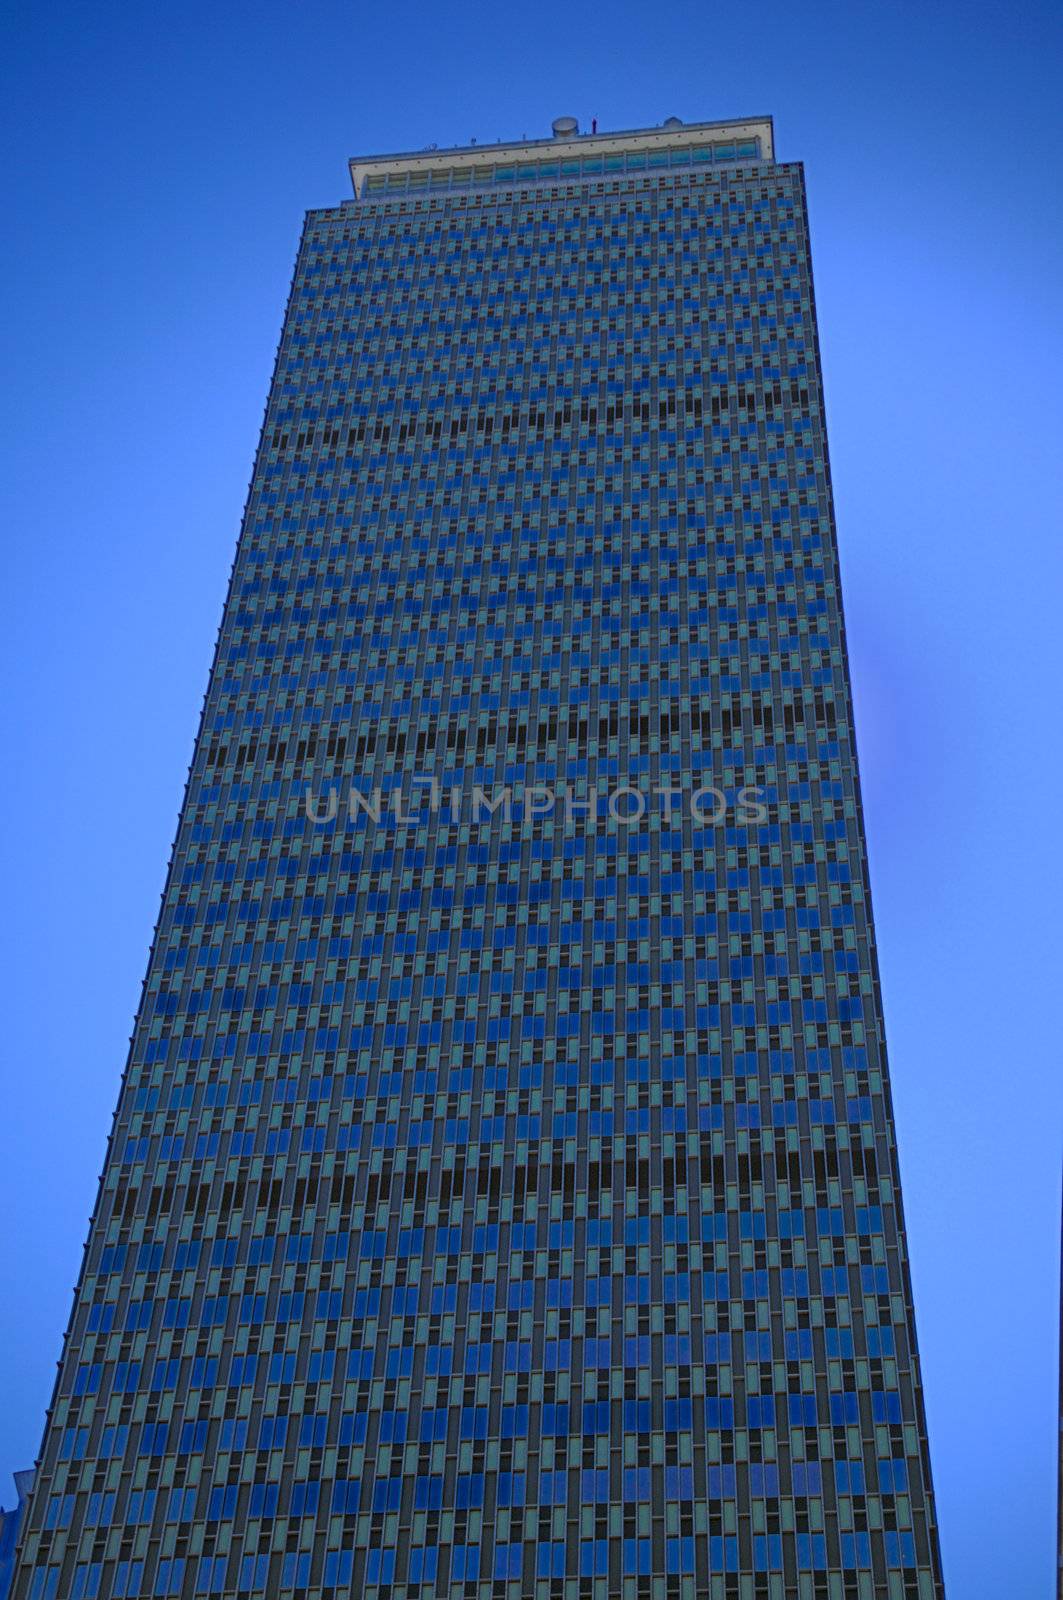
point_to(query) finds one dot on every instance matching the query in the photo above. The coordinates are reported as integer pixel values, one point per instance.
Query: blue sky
(162, 160)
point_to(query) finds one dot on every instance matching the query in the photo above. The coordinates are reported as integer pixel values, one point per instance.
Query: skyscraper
(502, 1198)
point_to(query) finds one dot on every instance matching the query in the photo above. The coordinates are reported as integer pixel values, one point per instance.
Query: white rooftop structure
(567, 153)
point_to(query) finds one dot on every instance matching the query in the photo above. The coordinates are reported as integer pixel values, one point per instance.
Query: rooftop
(566, 153)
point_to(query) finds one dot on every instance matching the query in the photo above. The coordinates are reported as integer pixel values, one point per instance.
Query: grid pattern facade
(506, 1204)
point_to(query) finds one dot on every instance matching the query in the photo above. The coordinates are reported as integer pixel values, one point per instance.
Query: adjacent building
(503, 1197)
(10, 1523)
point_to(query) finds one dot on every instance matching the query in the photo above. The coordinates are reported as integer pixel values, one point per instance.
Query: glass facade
(502, 1198)
(552, 170)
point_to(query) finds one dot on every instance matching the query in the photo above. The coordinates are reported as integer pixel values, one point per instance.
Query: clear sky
(159, 163)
